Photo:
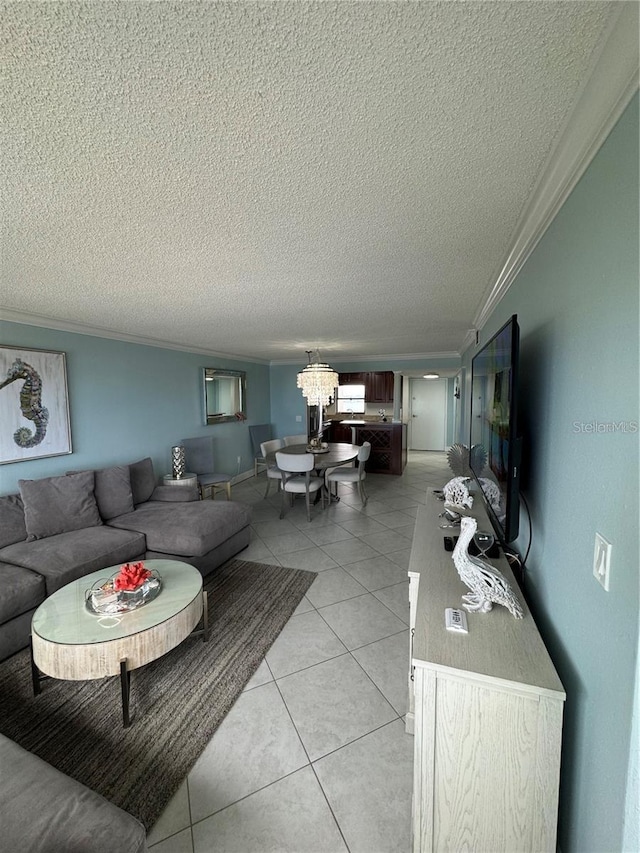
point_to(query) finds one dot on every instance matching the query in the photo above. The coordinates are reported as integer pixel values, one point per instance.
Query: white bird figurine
(488, 586)
(462, 460)
(456, 492)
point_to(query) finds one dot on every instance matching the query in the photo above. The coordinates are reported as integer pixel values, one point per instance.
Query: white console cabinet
(487, 713)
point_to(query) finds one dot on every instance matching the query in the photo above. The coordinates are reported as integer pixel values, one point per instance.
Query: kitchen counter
(371, 422)
(388, 442)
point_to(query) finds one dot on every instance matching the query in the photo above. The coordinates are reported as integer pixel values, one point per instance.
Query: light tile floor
(314, 756)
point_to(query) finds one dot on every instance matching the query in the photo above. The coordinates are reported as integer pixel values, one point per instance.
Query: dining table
(332, 456)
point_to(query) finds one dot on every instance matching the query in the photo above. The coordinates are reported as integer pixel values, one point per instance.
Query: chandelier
(317, 381)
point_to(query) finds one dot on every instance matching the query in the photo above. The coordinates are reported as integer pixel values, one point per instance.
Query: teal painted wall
(287, 401)
(577, 305)
(129, 401)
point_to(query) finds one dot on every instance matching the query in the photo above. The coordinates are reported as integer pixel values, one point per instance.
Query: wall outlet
(298, 419)
(602, 561)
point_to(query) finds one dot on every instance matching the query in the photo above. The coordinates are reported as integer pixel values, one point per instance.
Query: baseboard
(242, 476)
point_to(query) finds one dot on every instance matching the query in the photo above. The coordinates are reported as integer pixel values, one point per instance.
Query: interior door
(428, 414)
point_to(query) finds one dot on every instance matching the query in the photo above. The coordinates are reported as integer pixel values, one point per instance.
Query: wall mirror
(224, 395)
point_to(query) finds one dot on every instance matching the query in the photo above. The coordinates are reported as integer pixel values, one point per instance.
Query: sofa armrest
(175, 494)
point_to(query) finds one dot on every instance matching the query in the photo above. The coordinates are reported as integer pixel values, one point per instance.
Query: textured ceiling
(260, 179)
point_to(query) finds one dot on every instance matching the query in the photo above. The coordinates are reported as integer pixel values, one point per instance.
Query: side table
(187, 480)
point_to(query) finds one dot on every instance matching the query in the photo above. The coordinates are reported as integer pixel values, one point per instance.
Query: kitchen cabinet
(351, 378)
(388, 446)
(378, 384)
(379, 387)
(388, 443)
(338, 432)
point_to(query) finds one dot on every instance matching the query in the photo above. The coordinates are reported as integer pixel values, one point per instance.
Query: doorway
(428, 413)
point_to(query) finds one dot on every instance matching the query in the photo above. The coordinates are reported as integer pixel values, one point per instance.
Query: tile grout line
(418, 482)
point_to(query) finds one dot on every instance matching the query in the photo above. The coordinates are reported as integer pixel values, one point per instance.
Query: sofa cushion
(12, 526)
(171, 494)
(143, 480)
(59, 504)
(113, 491)
(43, 810)
(67, 556)
(22, 590)
(186, 529)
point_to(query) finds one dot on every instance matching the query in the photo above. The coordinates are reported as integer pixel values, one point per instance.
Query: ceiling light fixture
(317, 381)
(431, 376)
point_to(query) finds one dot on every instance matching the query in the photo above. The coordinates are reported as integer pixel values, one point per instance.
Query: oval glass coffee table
(68, 641)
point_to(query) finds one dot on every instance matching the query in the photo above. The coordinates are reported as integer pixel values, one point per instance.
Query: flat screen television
(495, 462)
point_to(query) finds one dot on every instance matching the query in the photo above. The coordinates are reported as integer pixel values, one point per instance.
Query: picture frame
(34, 404)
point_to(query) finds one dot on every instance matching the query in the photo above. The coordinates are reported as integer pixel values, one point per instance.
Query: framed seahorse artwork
(34, 404)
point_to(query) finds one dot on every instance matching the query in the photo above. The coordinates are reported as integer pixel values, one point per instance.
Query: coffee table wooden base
(51, 662)
(53, 657)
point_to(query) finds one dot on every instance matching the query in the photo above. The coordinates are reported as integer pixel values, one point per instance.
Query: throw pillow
(12, 527)
(59, 504)
(143, 480)
(113, 491)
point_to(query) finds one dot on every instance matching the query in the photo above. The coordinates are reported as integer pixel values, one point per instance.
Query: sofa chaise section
(44, 811)
(202, 533)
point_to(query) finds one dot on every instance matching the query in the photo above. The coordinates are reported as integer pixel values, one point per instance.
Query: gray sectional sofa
(59, 529)
(44, 811)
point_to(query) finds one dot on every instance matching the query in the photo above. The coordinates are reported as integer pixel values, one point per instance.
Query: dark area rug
(178, 701)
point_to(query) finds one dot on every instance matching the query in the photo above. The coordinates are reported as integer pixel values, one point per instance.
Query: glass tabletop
(64, 617)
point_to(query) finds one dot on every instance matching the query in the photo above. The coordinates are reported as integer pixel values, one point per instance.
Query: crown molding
(468, 341)
(424, 356)
(98, 332)
(41, 321)
(606, 94)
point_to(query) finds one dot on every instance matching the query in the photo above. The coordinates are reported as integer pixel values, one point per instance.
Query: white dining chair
(273, 472)
(295, 471)
(352, 474)
(294, 439)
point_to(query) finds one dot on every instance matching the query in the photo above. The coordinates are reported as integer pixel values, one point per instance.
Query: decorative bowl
(103, 597)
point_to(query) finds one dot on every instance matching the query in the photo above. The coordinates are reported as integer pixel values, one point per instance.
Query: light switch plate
(602, 561)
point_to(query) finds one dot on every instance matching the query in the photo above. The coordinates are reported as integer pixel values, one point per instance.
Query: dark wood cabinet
(379, 388)
(388, 444)
(378, 384)
(338, 432)
(388, 447)
(352, 378)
